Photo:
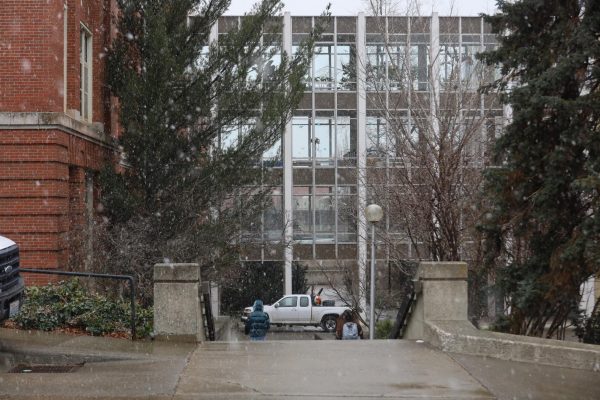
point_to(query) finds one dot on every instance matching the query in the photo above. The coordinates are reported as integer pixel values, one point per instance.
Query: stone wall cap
(174, 272)
(462, 337)
(50, 120)
(443, 270)
(465, 328)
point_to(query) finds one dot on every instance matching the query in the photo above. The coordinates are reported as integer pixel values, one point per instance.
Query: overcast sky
(352, 7)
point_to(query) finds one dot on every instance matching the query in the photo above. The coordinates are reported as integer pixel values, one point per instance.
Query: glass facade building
(369, 76)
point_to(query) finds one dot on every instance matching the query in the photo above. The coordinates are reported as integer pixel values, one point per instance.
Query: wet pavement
(510, 380)
(113, 368)
(325, 370)
(284, 366)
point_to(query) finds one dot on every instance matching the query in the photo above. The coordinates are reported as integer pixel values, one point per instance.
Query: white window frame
(86, 71)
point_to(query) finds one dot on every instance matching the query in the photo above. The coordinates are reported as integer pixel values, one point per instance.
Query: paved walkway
(315, 369)
(325, 370)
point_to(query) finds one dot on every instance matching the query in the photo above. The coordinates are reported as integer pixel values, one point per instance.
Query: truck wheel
(328, 323)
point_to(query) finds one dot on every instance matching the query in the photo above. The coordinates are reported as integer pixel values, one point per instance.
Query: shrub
(67, 304)
(383, 328)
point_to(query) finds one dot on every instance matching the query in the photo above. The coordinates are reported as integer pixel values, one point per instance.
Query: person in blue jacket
(257, 323)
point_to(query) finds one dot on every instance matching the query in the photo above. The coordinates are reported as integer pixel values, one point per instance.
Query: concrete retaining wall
(440, 318)
(462, 337)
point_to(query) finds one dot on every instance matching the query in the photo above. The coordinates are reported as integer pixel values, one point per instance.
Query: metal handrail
(128, 278)
(410, 293)
(210, 322)
(402, 316)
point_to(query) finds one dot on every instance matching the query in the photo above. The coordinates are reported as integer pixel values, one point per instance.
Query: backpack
(350, 331)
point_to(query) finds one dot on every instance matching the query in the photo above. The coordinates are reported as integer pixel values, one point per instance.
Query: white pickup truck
(298, 309)
(11, 283)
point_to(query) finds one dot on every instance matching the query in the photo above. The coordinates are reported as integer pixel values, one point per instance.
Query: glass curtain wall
(470, 67)
(324, 137)
(419, 64)
(324, 129)
(449, 57)
(270, 224)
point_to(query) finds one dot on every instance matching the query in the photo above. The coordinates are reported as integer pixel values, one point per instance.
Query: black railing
(403, 312)
(128, 278)
(209, 320)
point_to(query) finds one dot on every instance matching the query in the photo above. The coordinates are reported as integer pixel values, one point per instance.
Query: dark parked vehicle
(11, 282)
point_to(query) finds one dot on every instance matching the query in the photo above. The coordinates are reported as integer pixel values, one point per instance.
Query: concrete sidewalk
(113, 368)
(120, 369)
(325, 370)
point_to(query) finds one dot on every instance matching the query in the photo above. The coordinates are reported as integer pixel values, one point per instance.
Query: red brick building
(56, 123)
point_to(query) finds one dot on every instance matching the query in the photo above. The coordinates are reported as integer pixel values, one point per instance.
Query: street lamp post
(374, 213)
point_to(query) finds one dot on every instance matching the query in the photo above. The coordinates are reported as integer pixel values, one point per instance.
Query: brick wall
(32, 51)
(42, 192)
(31, 38)
(43, 167)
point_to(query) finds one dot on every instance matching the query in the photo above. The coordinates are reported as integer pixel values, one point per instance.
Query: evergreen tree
(542, 226)
(190, 185)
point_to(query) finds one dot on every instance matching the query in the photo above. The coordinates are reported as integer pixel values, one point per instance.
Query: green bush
(68, 304)
(383, 328)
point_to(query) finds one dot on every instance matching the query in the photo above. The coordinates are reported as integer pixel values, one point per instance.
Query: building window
(345, 73)
(230, 135)
(449, 66)
(346, 138)
(272, 63)
(272, 156)
(85, 86)
(323, 60)
(324, 213)
(405, 135)
(376, 57)
(376, 137)
(324, 137)
(301, 138)
(470, 67)
(398, 67)
(307, 78)
(273, 217)
(419, 65)
(346, 214)
(302, 209)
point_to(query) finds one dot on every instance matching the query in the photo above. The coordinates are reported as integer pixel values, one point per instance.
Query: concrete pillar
(442, 296)
(177, 303)
(361, 154)
(434, 79)
(288, 184)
